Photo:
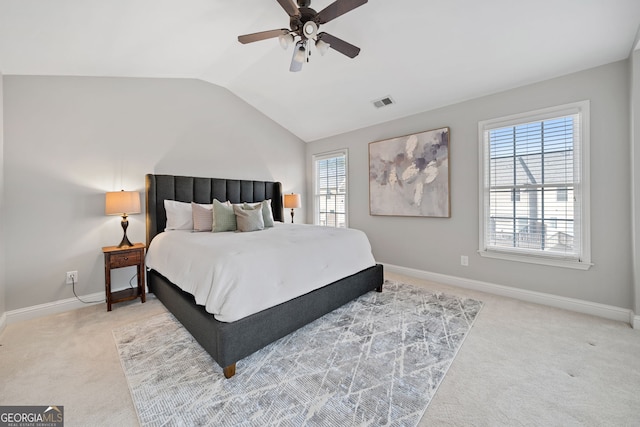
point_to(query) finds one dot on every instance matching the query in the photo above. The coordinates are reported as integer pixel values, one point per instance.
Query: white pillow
(202, 216)
(179, 216)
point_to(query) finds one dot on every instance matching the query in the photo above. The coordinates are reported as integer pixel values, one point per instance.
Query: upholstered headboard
(203, 190)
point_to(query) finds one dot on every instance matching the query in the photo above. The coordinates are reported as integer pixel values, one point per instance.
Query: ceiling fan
(304, 23)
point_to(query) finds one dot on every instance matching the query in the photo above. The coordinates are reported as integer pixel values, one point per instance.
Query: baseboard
(54, 307)
(572, 304)
(3, 322)
(634, 320)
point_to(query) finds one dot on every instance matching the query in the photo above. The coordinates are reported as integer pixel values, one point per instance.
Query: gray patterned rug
(375, 361)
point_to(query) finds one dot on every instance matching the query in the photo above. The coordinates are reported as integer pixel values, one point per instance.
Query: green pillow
(223, 217)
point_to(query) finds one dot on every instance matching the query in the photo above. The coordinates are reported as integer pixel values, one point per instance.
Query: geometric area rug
(377, 360)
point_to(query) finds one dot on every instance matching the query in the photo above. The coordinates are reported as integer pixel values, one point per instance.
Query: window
(330, 189)
(534, 194)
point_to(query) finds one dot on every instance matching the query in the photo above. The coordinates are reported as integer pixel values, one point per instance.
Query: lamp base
(125, 243)
(291, 216)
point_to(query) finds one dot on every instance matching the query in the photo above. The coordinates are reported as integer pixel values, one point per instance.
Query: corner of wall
(634, 65)
(2, 269)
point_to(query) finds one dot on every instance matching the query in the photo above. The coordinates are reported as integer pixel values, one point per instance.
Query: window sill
(554, 262)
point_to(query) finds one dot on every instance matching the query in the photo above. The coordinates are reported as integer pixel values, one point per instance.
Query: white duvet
(237, 274)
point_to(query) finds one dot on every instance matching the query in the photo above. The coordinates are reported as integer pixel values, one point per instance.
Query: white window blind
(535, 185)
(330, 188)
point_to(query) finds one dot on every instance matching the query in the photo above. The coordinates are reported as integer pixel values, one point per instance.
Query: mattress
(234, 274)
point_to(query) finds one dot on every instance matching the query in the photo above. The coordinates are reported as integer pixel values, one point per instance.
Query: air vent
(383, 102)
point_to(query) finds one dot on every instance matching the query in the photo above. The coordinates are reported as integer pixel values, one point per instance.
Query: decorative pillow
(202, 216)
(179, 215)
(267, 214)
(249, 218)
(223, 217)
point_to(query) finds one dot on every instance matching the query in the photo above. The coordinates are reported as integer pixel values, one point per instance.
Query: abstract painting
(409, 175)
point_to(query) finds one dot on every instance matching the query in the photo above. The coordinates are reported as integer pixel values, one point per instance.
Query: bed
(229, 342)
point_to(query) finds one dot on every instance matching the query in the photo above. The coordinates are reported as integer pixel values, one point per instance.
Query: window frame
(581, 191)
(316, 204)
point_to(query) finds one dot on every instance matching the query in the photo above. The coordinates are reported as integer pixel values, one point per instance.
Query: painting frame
(410, 175)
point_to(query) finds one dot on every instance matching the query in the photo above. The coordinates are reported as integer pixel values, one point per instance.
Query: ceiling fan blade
(340, 45)
(337, 8)
(290, 7)
(263, 35)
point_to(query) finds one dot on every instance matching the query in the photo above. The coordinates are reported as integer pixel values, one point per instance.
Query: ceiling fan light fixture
(322, 47)
(285, 40)
(300, 52)
(303, 24)
(299, 56)
(310, 29)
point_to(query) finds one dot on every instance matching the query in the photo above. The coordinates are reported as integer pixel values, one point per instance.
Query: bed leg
(379, 288)
(229, 371)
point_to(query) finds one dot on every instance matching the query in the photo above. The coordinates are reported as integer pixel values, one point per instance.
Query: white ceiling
(423, 53)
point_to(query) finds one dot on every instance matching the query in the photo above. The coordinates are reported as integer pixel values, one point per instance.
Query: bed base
(228, 343)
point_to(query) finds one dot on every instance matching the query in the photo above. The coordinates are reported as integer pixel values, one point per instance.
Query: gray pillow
(223, 217)
(267, 214)
(249, 218)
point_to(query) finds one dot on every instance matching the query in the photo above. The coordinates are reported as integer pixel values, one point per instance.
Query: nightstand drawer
(124, 259)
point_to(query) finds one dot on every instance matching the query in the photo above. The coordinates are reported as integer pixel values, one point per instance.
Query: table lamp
(122, 203)
(292, 201)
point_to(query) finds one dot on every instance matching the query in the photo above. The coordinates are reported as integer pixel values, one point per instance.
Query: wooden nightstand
(115, 257)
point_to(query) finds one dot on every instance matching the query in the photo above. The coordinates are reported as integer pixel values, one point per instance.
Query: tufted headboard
(159, 188)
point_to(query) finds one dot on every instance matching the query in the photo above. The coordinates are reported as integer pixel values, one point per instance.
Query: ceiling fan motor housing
(296, 23)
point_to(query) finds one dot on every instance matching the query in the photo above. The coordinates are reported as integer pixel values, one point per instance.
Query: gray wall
(435, 244)
(70, 139)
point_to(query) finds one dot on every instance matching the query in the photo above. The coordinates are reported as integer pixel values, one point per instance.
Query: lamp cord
(73, 286)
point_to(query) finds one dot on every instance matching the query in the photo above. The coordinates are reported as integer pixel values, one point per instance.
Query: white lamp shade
(292, 201)
(122, 202)
(285, 40)
(323, 47)
(300, 52)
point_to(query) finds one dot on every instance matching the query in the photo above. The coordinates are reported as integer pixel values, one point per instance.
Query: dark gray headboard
(204, 190)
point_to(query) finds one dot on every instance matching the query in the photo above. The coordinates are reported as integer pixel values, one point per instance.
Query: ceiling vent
(383, 102)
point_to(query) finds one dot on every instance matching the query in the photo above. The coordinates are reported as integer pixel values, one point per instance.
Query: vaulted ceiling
(423, 53)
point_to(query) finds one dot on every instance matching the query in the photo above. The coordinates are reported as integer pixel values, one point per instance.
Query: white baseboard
(572, 304)
(54, 307)
(3, 322)
(634, 320)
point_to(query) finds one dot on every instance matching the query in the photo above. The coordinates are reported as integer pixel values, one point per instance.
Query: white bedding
(237, 274)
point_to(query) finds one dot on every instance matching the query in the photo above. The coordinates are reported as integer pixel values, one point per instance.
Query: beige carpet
(524, 364)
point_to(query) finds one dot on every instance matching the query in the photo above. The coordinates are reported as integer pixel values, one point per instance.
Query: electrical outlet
(72, 277)
(464, 260)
